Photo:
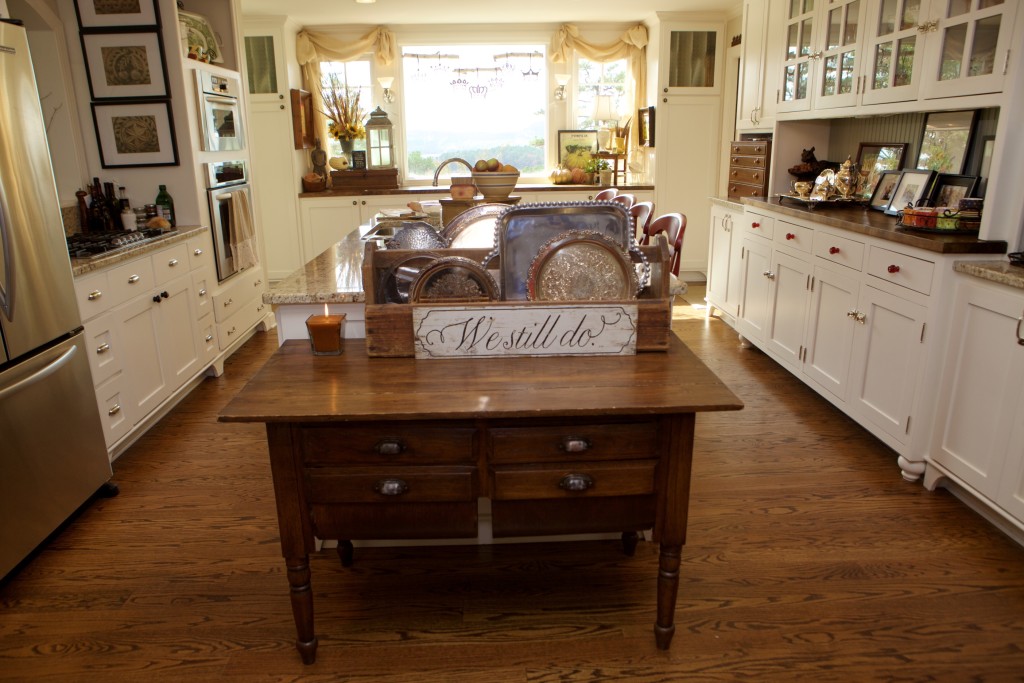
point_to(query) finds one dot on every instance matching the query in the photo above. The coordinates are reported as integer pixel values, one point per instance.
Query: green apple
(480, 166)
(493, 164)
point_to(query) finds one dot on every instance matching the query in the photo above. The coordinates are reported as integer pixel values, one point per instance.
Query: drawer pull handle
(833, 250)
(575, 444)
(860, 317)
(95, 294)
(228, 302)
(790, 236)
(114, 409)
(391, 487)
(576, 482)
(209, 337)
(257, 283)
(198, 252)
(893, 269)
(1020, 340)
(393, 447)
(755, 225)
(202, 292)
(102, 348)
(851, 314)
(231, 331)
(133, 279)
(173, 262)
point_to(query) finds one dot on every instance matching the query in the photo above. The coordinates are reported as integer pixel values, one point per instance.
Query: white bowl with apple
(494, 179)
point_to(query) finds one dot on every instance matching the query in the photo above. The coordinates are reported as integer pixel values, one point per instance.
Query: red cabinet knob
(833, 250)
(790, 236)
(755, 224)
(893, 269)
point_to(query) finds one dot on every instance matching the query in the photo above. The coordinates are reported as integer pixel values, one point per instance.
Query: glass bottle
(165, 204)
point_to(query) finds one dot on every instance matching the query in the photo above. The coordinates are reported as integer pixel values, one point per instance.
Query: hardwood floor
(808, 558)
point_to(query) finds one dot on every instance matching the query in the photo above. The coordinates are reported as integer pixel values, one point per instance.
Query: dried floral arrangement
(341, 107)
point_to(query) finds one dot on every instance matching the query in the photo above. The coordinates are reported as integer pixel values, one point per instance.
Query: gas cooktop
(96, 244)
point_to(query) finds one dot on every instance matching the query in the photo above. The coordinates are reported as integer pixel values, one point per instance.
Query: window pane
(983, 51)
(985, 4)
(905, 61)
(886, 17)
(805, 37)
(803, 70)
(852, 17)
(692, 59)
(952, 52)
(883, 61)
(911, 12)
(792, 41)
(808, 6)
(828, 83)
(958, 7)
(789, 92)
(835, 22)
(599, 78)
(473, 107)
(794, 8)
(846, 75)
(352, 78)
(260, 64)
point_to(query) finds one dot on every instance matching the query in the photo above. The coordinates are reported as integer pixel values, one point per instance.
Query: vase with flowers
(344, 115)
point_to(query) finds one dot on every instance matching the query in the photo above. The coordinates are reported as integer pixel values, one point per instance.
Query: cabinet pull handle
(893, 269)
(173, 262)
(851, 314)
(790, 236)
(209, 337)
(770, 275)
(260, 308)
(156, 298)
(231, 331)
(202, 292)
(114, 409)
(102, 348)
(257, 283)
(755, 225)
(133, 279)
(391, 487)
(576, 482)
(228, 302)
(860, 317)
(1020, 340)
(95, 294)
(833, 250)
(198, 252)
(389, 447)
(575, 444)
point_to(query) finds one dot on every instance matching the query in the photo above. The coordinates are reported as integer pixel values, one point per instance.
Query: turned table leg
(345, 553)
(302, 607)
(668, 588)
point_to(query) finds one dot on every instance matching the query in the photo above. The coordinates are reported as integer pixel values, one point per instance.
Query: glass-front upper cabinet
(896, 35)
(692, 59)
(799, 52)
(838, 79)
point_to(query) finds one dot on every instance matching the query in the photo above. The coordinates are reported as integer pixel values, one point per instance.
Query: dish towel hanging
(242, 237)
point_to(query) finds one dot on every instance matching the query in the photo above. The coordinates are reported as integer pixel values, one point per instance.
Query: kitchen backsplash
(69, 215)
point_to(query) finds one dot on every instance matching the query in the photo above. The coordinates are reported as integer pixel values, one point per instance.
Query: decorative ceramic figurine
(318, 157)
(846, 180)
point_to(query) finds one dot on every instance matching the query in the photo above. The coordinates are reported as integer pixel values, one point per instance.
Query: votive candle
(325, 334)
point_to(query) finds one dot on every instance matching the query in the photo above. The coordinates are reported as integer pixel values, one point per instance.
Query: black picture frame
(576, 147)
(645, 129)
(875, 157)
(358, 160)
(945, 140)
(123, 65)
(103, 14)
(949, 188)
(881, 195)
(913, 186)
(135, 134)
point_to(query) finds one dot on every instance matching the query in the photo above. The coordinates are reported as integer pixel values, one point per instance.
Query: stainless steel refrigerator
(52, 453)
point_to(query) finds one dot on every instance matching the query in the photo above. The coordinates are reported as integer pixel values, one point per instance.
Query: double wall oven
(225, 179)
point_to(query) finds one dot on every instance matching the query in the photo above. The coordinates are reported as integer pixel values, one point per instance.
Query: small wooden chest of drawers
(748, 168)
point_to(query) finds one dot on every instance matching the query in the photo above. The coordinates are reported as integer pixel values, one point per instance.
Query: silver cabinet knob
(102, 348)
(133, 279)
(95, 294)
(173, 262)
(202, 292)
(576, 483)
(209, 337)
(114, 409)
(228, 302)
(389, 447)
(575, 444)
(391, 487)
(198, 252)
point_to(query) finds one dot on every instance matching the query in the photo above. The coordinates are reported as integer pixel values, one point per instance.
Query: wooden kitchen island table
(399, 448)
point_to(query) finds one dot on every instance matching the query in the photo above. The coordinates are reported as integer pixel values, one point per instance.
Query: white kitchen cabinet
(837, 80)
(830, 329)
(755, 262)
(723, 281)
(796, 21)
(753, 92)
(893, 50)
(789, 294)
(691, 57)
(977, 436)
(147, 383)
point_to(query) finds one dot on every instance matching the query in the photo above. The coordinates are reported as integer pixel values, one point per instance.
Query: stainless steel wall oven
(220, 112)
(230, 217)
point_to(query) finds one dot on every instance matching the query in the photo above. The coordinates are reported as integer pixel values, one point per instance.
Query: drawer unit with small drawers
(748, 168)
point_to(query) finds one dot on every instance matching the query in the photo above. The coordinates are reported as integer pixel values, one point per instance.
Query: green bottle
(165, 205)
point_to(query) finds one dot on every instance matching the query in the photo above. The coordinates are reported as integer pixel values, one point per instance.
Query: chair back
(641, 213)
(673, 225)
(627, 200)
(606, 195)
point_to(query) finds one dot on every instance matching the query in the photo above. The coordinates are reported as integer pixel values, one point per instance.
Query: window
(353, 77)
(474, 102)
(599, 78)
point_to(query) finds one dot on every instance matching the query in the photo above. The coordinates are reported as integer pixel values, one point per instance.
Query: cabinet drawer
(750, 176)
(199, 253)
(113, 407)
(408, 444)
(906, 271)
(353, 521)
(752, 147)
(839, 250)
(391, 485)
(234, 294)
(750, 162)
(247, 315)
(795, 236)
(568, 443)
(170, 263)
(594, 479)
(757, 224)
(127, 281)
(572, 515)
(740, 190)
(93, 295)
(103, 348)
(207, 331)
(203, 283)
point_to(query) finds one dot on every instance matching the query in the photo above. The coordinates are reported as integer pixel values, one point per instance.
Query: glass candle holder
(325, 334)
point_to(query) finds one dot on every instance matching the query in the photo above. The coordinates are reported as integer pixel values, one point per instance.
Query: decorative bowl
(495, 185)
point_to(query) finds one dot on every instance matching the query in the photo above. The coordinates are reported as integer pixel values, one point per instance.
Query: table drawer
(407, 444)
(752, 147)
(352, 521)
(567, 442)
(391, 485)
(751, 176)
(906, 271)
(572, 515)
(795, 236)
(757, 224)
(839, 250)
(589, 479)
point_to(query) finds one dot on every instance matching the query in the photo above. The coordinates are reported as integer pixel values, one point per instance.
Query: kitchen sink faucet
(448, 161)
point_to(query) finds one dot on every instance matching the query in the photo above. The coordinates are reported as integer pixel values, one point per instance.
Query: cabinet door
(718, 258)
(326, 222)
(888, 344)
(755, 263)
(788, 297)
(178, 344)
(1010, 496)
(146, 382)
(798, 26)
(893, 49)
(275, 190)
(691, 58)
(838, 79)
(264, 66)
(830, 329)
(968, 53)
(751, 90)
(980, 396)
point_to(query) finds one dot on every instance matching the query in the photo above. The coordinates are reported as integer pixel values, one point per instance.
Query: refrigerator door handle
(7, 252)
(51, 368)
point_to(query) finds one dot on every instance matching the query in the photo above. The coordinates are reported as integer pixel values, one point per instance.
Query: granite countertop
(727, 203)
(443, 190)
(334, 277)
(82, 266)
(877, 224)
(996, 271)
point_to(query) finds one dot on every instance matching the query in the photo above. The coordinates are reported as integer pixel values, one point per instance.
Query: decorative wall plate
(582, 266)
(453, 278)
(397, 280)
(474, 227)
(198, 31)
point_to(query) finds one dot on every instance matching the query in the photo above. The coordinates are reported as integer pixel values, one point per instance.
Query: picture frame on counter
(135, 134)
(645, 131)
(122, 65)
(302, 119)
(950, 188)
(912, 187)
(576, 147)
(945, 141)
(104, 14)
(874, 158)
(882, 193)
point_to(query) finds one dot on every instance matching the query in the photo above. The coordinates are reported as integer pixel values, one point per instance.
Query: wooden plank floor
(808, 558)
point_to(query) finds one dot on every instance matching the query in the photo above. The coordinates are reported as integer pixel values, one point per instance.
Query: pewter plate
(522, 232)
(397, 280)
(453, 278)
(581, 266)
(474, 227)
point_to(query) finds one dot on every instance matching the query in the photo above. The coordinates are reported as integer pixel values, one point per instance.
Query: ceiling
(395, 12)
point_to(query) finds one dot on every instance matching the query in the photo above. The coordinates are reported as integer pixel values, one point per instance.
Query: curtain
(313, 47)
(632, 46)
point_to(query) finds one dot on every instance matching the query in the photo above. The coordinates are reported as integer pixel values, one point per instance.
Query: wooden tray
(389, 328)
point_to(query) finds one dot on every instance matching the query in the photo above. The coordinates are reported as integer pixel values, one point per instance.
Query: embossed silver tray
(453, 278)
(581, 266)
(397, 280)
(416, 235)
(474, 227)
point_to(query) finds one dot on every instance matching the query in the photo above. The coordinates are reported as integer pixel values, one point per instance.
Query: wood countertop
(295, 386)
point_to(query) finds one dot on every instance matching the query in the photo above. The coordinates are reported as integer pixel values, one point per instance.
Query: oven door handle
(223, 196)
(221, 99)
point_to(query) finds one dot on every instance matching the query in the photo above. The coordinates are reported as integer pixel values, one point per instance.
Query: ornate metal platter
(416, 235)
(581, 266)
(397, 280)
(453, 278)
(474, 227)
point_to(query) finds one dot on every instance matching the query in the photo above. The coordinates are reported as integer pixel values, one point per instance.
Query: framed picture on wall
(125, 65)
(912, 187)
(945, 141)
(576, 147)
(645, 132)
(949, 189)
(302, 119)
(132, 134)
(873, 159)
(108, 13)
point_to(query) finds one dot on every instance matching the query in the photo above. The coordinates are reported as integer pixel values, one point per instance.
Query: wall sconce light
(385, 82)
(562, 80)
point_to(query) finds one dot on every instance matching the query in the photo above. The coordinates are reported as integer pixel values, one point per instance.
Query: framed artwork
(945, 140)
(950, 189)
(102, 14)
(125, 65)
(132, 134)
(882, 194)
(873, 159)
(646, 129)
(911, 188)
(302, 119)
(576, 147)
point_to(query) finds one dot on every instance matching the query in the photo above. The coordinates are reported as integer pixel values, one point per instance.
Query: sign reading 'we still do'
(489, 331)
